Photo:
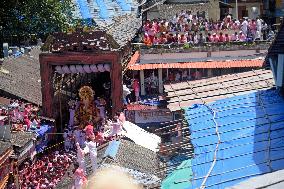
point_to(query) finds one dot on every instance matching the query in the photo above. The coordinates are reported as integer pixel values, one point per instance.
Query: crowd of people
(106, 130)
(87, 140)
(186, 27)
(22, 116)
(46, 171)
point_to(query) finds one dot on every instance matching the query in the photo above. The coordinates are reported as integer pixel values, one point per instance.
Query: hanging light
(66, 69)
(87, 69)
(107, 67)
(79, 69)
(73, 69)
(94, 68)
(58, 69)
(101, 68)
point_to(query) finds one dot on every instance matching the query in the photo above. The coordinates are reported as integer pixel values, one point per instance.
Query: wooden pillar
(116, 84)
(142, 82)
(46, 87)
(160, 76)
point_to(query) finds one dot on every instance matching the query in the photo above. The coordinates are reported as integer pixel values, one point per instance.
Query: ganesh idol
(86, 111)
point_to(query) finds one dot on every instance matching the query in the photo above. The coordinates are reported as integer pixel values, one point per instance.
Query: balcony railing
(204, 47)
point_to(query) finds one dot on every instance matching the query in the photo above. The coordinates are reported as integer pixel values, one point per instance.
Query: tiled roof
(133, 156)
(124, 28)
(135, 65)
(104, 38)
(21, 138)
(4, 146)
(184, 94)
(20, 77)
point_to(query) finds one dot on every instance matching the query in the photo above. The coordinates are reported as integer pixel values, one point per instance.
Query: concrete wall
(168, 11)
(248, 8)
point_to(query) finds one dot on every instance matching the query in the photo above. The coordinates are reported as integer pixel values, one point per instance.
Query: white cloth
(91, 148)
(141, 137)
(116, 129)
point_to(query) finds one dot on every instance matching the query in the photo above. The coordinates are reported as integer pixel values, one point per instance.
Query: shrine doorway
(72, 60)
(67, 85)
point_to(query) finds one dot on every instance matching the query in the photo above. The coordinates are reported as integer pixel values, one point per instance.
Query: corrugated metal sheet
(236, 138)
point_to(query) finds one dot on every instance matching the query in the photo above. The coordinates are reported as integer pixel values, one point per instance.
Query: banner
(153, 116)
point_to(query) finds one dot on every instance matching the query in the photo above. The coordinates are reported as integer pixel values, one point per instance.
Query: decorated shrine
(83, 65)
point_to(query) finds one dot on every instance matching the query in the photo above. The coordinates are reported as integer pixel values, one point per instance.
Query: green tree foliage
(20, 20)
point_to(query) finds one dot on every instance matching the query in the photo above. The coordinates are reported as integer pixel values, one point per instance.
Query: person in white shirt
(244, 27)
(91, 147)
(184, 75)
(177, 78)
(80, 157)
(67, 142)
(258, 25)
(101, 106)
(77, 134)
(257, 35)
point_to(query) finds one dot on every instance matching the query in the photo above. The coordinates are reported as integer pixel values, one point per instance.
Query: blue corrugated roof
(251, 130)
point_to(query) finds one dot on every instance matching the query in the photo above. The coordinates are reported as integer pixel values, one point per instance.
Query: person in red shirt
(171, 77)
(182, 39)
(215, 38)
(147, 40)
(221, 37)
(227, 38)
(210, 38)
(27, 122)
(89, 130)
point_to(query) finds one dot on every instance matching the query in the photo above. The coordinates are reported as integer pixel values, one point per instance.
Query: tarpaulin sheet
(180, 178)
(251, 129)
(85, 12)
(40, 132)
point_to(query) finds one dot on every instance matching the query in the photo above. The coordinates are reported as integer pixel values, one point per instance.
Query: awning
(134, 65)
